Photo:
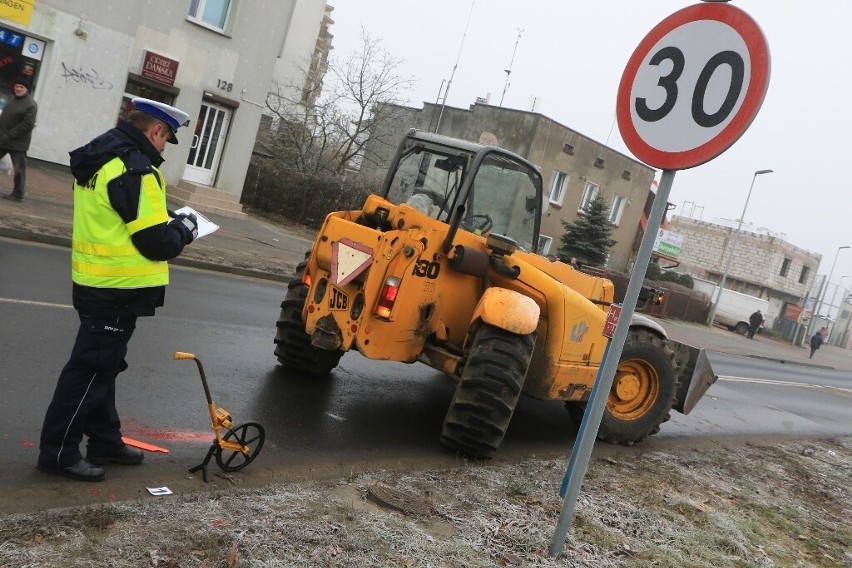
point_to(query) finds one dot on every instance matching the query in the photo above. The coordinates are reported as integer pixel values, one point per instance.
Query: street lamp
(825, 287)
(733, 246)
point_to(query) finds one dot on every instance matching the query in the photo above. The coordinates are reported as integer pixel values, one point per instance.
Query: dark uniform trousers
(84, 400)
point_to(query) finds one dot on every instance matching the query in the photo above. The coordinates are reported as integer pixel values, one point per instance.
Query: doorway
(207, 142)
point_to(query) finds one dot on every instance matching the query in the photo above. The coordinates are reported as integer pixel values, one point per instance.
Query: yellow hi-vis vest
(103, 256)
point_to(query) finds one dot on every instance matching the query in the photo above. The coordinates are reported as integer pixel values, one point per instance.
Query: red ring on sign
(758, 51)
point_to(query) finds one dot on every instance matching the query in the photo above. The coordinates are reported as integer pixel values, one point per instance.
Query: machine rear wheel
(488, 391)
(292, 345)
(642, 393)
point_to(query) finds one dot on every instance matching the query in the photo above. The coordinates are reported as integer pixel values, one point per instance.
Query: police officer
(122, 238)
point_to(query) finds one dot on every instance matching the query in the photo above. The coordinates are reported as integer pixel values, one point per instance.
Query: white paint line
(780, 383)
(336, 417)
(32, 303)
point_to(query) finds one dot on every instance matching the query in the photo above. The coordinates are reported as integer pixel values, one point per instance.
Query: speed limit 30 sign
(693, 86)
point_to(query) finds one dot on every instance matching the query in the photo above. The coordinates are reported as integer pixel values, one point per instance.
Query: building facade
(574, 167)
(763, 264)
(213, 59)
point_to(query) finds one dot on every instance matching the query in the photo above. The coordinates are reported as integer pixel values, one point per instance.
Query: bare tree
(327, 134)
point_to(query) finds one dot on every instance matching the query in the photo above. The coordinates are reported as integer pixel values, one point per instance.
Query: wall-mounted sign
(33, 48)
(11, 38)
(668, 243)
(20, 11)
(158, 68)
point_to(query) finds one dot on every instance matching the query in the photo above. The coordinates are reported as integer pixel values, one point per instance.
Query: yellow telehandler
(442, 269)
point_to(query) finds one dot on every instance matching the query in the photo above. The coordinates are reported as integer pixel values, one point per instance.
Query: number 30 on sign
(693, 86)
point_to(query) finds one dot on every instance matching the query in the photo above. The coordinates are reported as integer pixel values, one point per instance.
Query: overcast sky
(570, 59)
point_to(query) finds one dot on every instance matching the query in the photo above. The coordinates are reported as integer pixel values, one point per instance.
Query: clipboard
(205, 225)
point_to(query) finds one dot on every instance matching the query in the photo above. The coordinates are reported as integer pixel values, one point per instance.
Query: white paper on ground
(205, 225)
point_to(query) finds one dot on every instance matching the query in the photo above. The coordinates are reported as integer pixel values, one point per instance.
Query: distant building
(303, 60)
(764, 263)
(574, 167)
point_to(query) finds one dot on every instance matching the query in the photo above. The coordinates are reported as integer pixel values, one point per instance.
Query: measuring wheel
(250, 436)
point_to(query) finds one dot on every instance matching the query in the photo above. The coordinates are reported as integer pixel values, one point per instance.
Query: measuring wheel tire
(487, 392)
(250, 435)
(642, 393)
(292, 345)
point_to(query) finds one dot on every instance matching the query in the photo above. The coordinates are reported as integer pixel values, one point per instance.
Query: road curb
(65, 242)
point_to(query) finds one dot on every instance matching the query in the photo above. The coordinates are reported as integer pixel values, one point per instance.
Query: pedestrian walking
(817, 340)
(755, 320)
(16, 129)
(122, 238)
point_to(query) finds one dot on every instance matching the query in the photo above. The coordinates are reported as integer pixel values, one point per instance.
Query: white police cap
(173, 117)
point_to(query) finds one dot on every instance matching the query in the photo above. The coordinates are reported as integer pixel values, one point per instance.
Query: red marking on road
(95, 491)
(134, 429)
(112, 496)
(27, 443)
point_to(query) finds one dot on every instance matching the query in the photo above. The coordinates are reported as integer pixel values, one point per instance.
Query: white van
(734, 307)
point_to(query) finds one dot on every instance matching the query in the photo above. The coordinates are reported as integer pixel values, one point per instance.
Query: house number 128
(224, 85)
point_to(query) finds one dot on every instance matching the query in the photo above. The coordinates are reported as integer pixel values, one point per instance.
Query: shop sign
(19, 11)
(158, 68)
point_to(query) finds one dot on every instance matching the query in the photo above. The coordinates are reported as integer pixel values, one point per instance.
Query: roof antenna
(450, 82)
(509, 70)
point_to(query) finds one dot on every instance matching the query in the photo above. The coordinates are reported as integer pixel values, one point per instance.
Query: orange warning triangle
(348, 260)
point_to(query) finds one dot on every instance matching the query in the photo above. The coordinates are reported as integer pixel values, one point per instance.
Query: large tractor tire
(292, 345)
(487, 392)
(643, 391)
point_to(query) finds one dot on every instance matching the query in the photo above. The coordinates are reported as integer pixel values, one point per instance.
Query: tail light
(306, 275)
(388, 297)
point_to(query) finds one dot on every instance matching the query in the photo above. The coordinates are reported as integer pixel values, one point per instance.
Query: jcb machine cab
(442, 269)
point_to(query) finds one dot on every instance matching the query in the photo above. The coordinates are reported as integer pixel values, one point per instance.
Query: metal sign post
(597, 402)
(689, 91)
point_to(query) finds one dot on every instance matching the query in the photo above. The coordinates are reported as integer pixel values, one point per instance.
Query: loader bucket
(696, 376)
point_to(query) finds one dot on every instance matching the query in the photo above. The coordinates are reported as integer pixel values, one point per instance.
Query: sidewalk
(252, 247)
(261, 249)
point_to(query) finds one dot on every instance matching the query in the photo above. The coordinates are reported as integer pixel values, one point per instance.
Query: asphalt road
(367, 415)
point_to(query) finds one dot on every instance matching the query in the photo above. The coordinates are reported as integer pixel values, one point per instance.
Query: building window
(618, 203)
(138, 86)
(803, 277)
(589, 193)
(557, 187)
(785, 267)
(210, 13)
(544, 244)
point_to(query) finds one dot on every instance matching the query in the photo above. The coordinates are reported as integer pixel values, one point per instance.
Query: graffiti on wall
(89, 78)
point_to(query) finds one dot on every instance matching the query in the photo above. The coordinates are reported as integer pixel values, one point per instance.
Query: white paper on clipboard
(205, 225)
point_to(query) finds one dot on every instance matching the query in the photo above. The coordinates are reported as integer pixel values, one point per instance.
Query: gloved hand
(187, 225)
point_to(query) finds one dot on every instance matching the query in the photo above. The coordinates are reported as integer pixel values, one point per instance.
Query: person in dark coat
(16, 129)
(755, 320)
(817, 340)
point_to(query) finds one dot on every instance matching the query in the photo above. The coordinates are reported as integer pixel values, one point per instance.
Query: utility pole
(512, 62)
(715, 305)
